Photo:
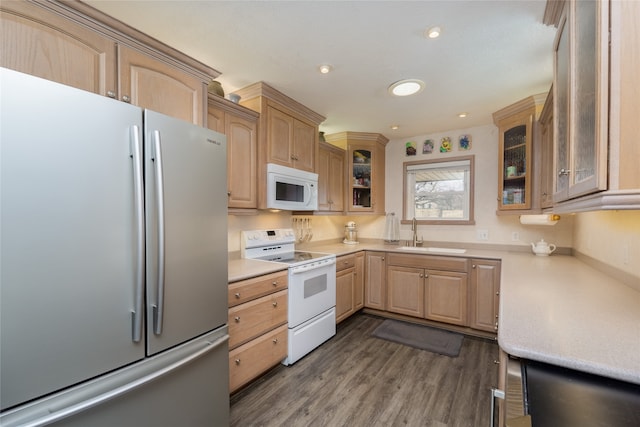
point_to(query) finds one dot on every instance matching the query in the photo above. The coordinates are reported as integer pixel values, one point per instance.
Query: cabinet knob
(111, 94)
(563, 172)
(126, 99)
(421, 275)
(497, 292)
(473, 266)
(275, 283)
(237, 319)
(237, 294)
(228, 193)
(275, 303)
(275, 340)
(382, 258)
(237, 361)
(496, 362)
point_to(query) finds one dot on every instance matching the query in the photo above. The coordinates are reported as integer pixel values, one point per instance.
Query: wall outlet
(482, 234)
(515, 236)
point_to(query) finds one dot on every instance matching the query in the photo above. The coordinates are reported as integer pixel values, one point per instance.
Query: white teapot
(543, 248)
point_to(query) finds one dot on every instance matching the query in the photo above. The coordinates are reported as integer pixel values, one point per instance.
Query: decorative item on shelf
(321, 137)
(410, 148)
(427, 147)
(445, 144)
(216, 88)
(234, 97)
(465, 142)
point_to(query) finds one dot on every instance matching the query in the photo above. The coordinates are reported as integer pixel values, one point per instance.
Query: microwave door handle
(308, 192)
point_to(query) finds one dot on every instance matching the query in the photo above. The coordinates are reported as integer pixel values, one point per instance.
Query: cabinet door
(330, 178)
(304, 146)
(215, 119)
(150, 83)
(546, 153)
(242, 161)
(324, 179)
(405, 290)
(358, 285)
(485, 289)
(375, 281)
(446, 297)
(345, 281)
(279, 137)
(46, 45)
(561, 111)
(514, 183)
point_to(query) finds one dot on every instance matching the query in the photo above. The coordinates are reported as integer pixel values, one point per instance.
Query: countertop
(554, 309)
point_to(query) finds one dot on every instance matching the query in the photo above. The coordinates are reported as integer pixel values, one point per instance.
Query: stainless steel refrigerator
(113, 263)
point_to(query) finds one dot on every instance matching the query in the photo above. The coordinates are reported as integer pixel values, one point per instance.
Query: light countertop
(554, 309)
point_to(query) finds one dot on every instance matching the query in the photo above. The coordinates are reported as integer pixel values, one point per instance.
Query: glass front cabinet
(365, 170)
(518, 184)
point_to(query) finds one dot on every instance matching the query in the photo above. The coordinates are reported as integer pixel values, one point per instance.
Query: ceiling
(490, 54)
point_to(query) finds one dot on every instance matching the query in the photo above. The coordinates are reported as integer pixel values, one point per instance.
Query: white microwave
(291, 189)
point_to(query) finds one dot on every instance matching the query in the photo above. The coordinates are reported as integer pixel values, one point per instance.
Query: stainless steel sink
(433, 249)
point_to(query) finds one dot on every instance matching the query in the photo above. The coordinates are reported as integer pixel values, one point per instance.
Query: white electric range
(312, 287)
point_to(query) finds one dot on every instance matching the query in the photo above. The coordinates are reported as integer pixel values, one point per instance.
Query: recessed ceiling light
(395, 127)
(325, 68)
(406, 87)
(432, 33)
(462, 115)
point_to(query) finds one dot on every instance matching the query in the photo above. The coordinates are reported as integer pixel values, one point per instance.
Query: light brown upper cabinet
(365, 170)
(73, 44)
(517, 130)
(330, 178)
(596, 105)
(287, 132)
(240, 125)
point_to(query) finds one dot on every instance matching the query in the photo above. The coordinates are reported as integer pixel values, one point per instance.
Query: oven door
(312, 290)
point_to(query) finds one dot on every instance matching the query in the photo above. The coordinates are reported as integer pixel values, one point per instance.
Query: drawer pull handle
(275, 303)
(237, 361)
(275, 340)
(237, 319)
(237, 294)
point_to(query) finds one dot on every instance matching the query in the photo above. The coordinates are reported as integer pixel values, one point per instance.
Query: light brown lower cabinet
(376, 280)
(257, 326)
(349, 285)
(253, 358)
(485, 294)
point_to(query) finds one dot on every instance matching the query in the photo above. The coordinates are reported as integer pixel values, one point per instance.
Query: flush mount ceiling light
(432, 33)
(325, 68)
(406, 87)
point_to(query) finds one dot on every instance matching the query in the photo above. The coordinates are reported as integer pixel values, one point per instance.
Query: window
(439, 191)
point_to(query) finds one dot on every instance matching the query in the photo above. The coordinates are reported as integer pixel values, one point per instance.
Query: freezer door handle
(138, 193)
(156, 157)
(56, 414)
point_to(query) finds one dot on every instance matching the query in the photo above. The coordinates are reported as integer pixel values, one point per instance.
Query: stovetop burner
(294, 257)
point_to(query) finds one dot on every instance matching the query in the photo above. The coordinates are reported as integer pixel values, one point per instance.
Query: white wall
(612, 237)
(484, 146)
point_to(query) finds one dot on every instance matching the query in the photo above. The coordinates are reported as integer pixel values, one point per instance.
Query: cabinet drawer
(253, 358)
(429, 262)
(249, 320)
(247, 290)
(344, 262)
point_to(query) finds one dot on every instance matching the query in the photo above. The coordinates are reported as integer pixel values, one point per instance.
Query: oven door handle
(312, 266)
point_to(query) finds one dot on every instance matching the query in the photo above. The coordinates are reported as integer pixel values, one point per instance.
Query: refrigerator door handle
(156, 157)
(57, 414)
(138, 192)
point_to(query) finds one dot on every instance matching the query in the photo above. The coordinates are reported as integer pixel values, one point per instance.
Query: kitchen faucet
(414, 228)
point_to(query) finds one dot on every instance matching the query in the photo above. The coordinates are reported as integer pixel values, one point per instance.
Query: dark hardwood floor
(357, 380)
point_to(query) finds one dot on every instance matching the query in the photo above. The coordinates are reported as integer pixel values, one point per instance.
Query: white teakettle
(543, 248)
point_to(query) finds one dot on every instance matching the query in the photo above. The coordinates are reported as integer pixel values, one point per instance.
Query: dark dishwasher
(560, 397)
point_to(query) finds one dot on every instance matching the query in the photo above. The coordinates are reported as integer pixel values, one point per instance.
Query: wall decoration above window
(427, 147)
(410, 148)
(445, 145)
(465, 143)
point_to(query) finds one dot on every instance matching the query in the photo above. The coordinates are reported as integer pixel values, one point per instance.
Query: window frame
(444, 161)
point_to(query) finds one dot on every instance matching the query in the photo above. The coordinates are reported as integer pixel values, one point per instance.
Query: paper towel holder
(544, 219)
